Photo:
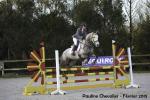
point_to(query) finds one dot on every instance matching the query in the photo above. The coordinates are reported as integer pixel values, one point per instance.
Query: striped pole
(82, 74)
(79, 69)
(84, 80)
(83, 68)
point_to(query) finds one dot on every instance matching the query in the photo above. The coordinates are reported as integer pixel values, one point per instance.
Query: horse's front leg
(95, 58)
(85, 61)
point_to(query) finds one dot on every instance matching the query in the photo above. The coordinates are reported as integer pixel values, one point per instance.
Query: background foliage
(25, 23)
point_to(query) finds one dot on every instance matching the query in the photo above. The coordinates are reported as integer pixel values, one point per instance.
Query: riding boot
(73, 50)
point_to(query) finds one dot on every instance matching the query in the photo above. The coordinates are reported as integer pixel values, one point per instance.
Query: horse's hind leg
(65, 64)
(72, 63)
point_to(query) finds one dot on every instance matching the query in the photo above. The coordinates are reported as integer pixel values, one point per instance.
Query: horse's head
(93, 37)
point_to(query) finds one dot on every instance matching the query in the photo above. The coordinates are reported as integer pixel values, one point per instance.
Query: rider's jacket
(80, 34)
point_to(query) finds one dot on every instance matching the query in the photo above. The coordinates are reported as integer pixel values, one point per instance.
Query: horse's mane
(89, 35)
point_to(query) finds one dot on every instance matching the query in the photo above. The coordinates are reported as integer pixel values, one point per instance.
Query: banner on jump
(101, 61)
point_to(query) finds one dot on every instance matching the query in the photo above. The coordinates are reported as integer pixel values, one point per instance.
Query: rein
(90, 45)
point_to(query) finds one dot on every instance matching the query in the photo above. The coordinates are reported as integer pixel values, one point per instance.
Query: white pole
(2, 68)
(58, 91)
(131, 71)
(57, 69)
(3, 71)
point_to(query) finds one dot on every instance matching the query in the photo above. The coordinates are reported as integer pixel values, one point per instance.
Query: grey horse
(85, 49)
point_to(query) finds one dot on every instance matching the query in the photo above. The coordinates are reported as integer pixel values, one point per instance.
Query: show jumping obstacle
(68, 75)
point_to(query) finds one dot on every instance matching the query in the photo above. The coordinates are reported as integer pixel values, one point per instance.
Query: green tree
(142, 37)
(105, 16)
(16, 26)
(56, 32)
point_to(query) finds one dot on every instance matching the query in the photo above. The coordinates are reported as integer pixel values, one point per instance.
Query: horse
(85, 49)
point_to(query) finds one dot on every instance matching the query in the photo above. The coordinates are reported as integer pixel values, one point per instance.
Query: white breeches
(76, 43)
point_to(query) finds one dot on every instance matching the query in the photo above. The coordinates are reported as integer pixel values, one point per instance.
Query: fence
(3, 68)
(23, 67)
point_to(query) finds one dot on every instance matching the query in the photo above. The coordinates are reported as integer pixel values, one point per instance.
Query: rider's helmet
(83, 24)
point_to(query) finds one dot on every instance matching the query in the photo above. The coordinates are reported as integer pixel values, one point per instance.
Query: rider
(78, 36)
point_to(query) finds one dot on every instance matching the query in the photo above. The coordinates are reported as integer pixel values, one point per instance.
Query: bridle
(93, 41)
(90, 43)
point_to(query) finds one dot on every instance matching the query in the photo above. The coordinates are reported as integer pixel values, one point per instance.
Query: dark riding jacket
(79, 34)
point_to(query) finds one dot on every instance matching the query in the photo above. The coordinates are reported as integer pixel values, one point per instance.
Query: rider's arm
(78, 34)
(84, 33)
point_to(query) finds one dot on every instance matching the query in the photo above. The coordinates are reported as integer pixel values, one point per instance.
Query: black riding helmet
(83, 24)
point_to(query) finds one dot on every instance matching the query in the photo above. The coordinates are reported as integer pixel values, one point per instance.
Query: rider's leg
(78, 47)
(74, 48)
(75, 45)
(75, 41)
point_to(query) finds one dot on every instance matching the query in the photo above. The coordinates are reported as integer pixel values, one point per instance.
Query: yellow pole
(34, 78)
(43, 60)
(114, 57)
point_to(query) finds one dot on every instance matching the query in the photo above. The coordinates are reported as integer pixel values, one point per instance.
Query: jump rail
(41, 71)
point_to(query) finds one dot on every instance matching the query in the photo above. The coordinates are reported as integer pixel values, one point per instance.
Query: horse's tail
(61, 61)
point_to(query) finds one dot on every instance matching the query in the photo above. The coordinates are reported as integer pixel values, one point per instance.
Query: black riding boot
(74, 49)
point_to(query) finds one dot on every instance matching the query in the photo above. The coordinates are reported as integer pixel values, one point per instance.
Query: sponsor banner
(101, 61)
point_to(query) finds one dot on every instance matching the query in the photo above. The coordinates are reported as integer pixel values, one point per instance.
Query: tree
(132, 8)
(105, 16)
(56, 32)
(17, 30)
(24, 25)
(84, 12)
(49, 6)
(142, 34)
